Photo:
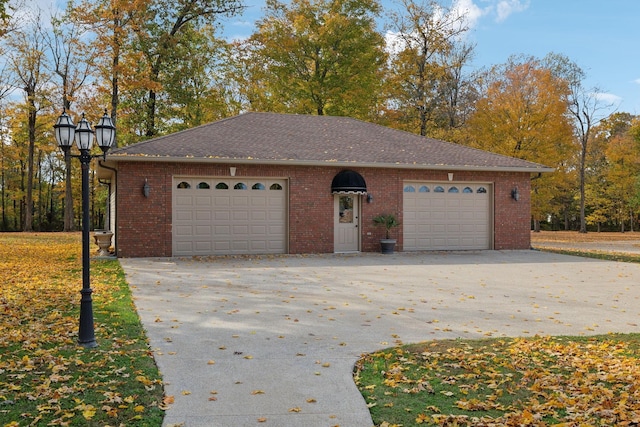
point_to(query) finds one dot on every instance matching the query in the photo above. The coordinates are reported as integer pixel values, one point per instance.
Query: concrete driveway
(272, 340)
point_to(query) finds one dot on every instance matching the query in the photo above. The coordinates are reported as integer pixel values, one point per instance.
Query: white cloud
(504, 8)
(608, 98)
(473, 11)
(469, 10)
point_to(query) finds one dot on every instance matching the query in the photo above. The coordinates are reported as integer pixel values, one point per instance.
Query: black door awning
(348, 182)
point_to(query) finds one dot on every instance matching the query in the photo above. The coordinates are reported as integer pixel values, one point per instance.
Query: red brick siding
(143, 225)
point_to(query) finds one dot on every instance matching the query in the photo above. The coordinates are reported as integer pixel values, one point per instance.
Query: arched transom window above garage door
(217, 184)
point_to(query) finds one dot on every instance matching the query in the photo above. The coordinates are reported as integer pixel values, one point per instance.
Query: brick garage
(302, 154)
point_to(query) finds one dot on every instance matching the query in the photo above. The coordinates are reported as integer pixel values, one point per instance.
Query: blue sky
(601, 36)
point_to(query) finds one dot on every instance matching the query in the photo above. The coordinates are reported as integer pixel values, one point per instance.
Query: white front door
(346, 223)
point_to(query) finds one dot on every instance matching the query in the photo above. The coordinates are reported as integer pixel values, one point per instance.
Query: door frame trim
(357, 221)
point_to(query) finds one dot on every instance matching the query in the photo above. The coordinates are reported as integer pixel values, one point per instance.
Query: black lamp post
(66, 132)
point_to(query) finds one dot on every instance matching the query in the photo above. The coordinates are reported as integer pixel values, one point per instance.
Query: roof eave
(286, 162)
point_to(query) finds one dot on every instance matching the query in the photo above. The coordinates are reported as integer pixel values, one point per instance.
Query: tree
(317, 57)
(163, 37)
(427, 58)
(72, 63)
(624, 165)
(586, 108)
(112, 22)
(457, 91)
(27, 60)
(5, 17)
(523, 115)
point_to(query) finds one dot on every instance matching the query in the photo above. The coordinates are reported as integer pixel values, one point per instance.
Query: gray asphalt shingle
(300, 139)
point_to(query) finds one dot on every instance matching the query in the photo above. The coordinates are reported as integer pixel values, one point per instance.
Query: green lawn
(539, 381)
(45, 377)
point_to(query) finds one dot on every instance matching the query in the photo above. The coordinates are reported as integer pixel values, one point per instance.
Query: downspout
(108, 183)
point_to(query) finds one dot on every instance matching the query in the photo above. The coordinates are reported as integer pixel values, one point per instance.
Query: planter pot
(387, 245)
(103, 240)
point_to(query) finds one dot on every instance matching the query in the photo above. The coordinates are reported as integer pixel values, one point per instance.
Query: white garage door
(447, 216)
(223, 216)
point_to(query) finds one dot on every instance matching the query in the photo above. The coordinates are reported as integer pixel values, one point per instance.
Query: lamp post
(66, 132)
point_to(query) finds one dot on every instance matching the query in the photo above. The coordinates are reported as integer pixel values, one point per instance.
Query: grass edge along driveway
(45, 377)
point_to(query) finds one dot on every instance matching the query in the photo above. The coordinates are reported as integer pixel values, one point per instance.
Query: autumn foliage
(537, 381)
(45, 377)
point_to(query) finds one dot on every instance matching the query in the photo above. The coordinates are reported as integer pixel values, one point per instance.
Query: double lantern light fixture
(66, 132)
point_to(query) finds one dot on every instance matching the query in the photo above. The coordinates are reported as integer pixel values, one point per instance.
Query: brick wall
(143, 225)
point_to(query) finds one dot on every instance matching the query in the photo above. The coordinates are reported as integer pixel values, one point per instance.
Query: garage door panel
(184, 230)
(276, 202)
(184, 246)
(202, 215)
(240, 230)
(240, 213)
(276, 216)
(203, 247)
(276, 229)
(184, 216)
(238, 246)
(259, 230)
(222, 202)
(230, 217)
(258, 245)
(258, 215)
(203, 201)
(259, 202)
(453, 203)
(221, 216)
(449, 220)
(222, 246)
(203, 230)
(438, 228)
(466, 216)
(240, 201)
(423, 228)
(454, 229)
(184, 200)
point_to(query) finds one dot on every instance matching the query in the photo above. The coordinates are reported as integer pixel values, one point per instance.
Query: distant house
(263, 183)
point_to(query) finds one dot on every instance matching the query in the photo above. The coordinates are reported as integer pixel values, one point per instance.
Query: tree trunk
(583, 160)
(115, 77)
(68, 196)
(5, 226)
(28, 217)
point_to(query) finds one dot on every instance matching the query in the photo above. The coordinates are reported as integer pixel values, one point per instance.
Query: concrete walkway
(273, 340)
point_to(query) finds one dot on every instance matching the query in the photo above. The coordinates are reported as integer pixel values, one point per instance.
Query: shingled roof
(288, 139)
